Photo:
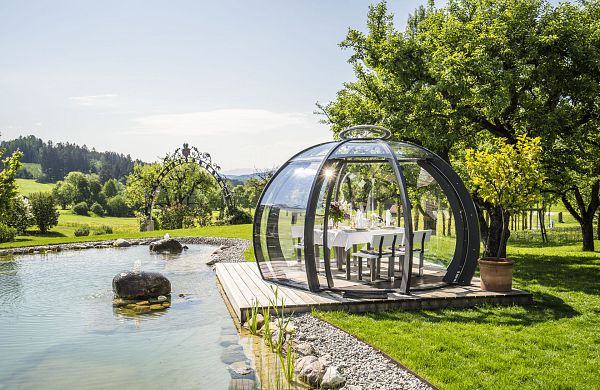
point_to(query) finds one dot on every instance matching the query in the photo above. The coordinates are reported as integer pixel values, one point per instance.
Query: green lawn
(553, 344)
(122, 228)
(28, 186)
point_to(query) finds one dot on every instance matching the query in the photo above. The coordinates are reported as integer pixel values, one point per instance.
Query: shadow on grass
(40, 234)
(563, 273)
(546, 307)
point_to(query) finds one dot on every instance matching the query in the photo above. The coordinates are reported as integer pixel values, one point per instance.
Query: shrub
(19, 215)
(173, 217)
(81, 208)
(238, 217)
(104, 229)
(97, 209)
(7, 233)
(45, 213)
(83, 230)
(116, 207)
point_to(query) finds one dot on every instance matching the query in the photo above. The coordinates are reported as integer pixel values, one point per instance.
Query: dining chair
(379, 248)
(420, 237)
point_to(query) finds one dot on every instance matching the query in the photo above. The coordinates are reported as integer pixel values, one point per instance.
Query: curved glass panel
(433, 227)
(282, 217)
(403, 150)
(362, 148)
(317, 152)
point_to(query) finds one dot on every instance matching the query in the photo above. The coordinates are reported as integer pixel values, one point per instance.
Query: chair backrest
(381, 241)
(421, 236)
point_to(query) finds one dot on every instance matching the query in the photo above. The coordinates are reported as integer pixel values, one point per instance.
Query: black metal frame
(462, 267)
(181, 156)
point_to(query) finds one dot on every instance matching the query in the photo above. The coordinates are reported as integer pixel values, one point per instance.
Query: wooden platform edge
(412, 303)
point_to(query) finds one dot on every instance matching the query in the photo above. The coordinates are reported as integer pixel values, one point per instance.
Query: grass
(122, 228)
(552, 344)
(34, 169)
(28, 186)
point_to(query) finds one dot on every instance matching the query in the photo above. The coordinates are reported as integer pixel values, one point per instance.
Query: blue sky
(238, 79)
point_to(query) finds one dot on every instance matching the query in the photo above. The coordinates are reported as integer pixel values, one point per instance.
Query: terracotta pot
(496, 274)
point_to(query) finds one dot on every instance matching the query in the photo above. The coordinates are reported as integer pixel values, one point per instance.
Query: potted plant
(505, 178)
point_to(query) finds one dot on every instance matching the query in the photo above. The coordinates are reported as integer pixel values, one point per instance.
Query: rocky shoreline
(363, 367)
(230, 249)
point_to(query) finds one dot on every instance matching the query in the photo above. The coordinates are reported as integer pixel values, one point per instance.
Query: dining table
(345, 238)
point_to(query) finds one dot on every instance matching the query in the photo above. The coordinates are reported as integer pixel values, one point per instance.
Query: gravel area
(230, 249)
(363, 366)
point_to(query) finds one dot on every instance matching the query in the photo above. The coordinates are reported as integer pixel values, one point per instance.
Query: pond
(58, 328)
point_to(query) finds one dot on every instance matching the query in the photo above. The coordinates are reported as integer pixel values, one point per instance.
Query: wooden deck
(242, 286)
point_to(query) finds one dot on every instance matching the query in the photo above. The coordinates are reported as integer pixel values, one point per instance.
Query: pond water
(58, 328)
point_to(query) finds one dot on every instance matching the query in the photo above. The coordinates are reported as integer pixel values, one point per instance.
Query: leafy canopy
(507, 175)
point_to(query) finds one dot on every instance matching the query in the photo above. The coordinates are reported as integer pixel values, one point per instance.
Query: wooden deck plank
(243, 284)
(224, 281)
(235, 295)
(257, 284)
(298, 297)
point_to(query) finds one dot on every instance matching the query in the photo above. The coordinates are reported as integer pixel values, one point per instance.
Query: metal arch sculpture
(181, 156)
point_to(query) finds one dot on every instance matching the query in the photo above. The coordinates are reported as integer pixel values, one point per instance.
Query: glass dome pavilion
(292, 222)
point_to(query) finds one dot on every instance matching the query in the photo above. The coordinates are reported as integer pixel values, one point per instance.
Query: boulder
(305, 349)
(313, 373)
(140, 285)
(169, 245)
(121, 243)
(260, 321)
(303, 362)
(332, 379)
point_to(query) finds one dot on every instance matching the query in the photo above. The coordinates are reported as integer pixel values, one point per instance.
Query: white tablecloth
(343, 238)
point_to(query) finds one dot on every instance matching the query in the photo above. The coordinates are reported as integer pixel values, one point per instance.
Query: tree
(8, 184)
(117, 207)
(64, 193)
(111, 188)
(508, 178)
(182, 186)
(479, 68)
(44, 209)
(19, 215)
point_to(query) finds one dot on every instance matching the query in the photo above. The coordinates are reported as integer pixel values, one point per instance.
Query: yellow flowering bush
(507, 175)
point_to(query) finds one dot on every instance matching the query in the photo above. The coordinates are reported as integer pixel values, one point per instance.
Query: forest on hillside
(50, 162)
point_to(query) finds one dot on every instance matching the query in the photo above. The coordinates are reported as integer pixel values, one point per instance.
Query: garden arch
(181, 156)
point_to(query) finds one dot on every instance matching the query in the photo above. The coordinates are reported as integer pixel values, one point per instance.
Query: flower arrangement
(338, 212)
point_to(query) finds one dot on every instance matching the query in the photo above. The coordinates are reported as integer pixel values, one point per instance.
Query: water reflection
(58, 327)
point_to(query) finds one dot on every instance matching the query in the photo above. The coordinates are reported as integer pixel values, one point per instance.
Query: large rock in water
(166, 245)
(140, 285)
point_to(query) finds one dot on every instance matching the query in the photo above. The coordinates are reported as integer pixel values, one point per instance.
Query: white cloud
(93, 100)
(220, 122)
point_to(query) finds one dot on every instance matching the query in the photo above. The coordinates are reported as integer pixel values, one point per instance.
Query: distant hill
(239, 179)
(50, 162)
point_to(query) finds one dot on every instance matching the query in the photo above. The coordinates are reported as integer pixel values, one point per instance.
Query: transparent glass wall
(283, 213)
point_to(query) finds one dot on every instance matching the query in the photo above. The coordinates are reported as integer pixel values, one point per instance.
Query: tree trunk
(444, 224)
(498, 233)
(584, 214)
(449, 230)
(494, 233)
(587, 232)
(598, 227)
(416, 219)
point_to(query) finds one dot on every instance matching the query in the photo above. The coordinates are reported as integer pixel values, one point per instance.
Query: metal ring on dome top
(375, 132)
